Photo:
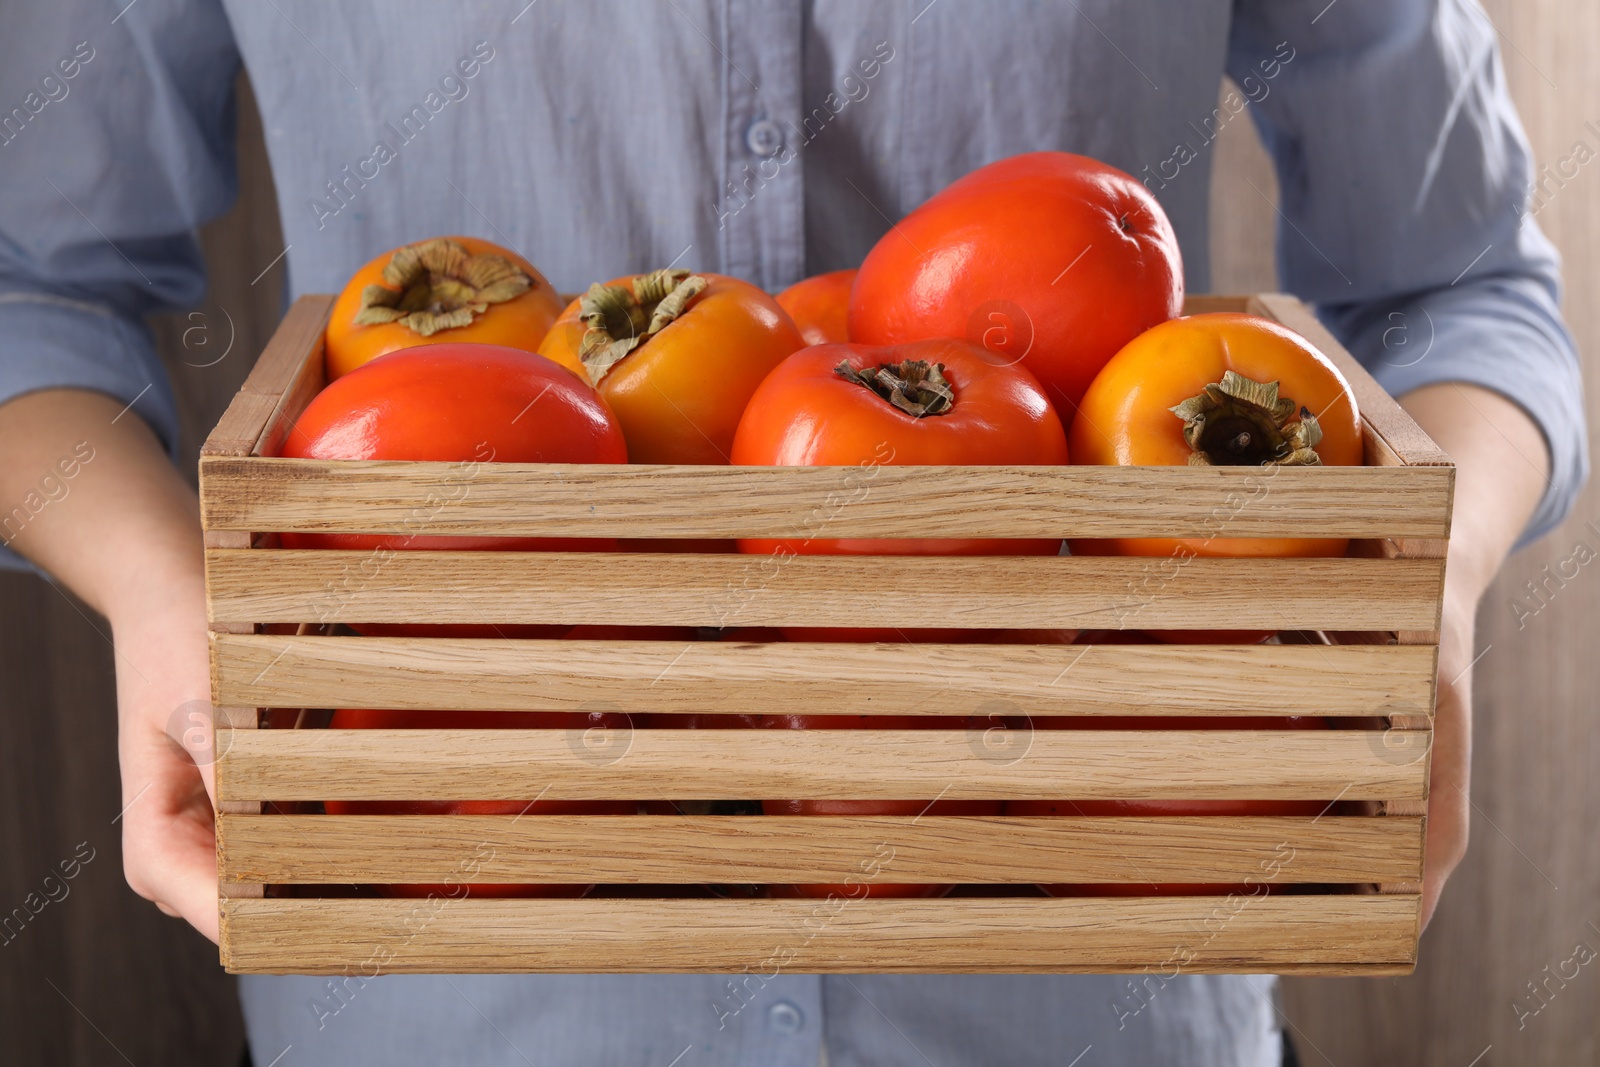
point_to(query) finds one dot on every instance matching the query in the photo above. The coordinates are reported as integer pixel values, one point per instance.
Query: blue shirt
(768, 139)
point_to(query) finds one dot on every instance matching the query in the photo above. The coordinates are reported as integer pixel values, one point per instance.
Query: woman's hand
(169, 849)
(122, 531)
(1502, 469)
(1449, 783)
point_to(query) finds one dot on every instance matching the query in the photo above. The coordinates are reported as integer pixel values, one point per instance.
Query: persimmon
(820, 306)
(676, 355)
(1220, 389)
(456, 289)
(926, 403)
(465, 404)
(1048, 258)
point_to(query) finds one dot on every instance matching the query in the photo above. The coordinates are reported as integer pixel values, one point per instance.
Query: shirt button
(785, 1018)
(764, 137)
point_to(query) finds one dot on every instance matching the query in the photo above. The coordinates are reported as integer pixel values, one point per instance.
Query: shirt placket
(761, 205)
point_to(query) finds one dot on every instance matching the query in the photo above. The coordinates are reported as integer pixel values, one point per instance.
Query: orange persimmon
(459, 289)
(925, 403)
(1219, 389)
(820, 306)
(676, 356)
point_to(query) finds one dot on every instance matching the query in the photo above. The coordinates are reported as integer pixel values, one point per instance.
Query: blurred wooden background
(101, 976)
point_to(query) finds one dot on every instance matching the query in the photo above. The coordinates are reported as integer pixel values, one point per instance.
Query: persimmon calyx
(620, 319)
(1242, 422)
(437, 285)
(915, 386)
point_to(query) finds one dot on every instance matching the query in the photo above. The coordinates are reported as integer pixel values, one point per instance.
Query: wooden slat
(1333, 934)
(1413, 446)
(231, 722)
(797, 678)
(240, 427)
(282, 364)
(646, 849)
(633, 764)
(262, 585)
(1399, 807)
(307, 383)
(576, 500)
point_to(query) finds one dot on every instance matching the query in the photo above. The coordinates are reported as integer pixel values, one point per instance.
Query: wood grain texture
(287, 368)
(645, 500)
(1337, 934)
(631, 764)
(796, 678)
(646, 849)
(259, 585)
(307, 382)
(236, 433)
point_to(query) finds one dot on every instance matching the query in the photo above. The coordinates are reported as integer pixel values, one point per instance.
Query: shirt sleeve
(117, 145)
(1405, 208)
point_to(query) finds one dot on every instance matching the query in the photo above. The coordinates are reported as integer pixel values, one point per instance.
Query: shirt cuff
(52, 342)
(1502, 333)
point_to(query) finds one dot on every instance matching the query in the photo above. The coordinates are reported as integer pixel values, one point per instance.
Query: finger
(187, 894)
(169, 851)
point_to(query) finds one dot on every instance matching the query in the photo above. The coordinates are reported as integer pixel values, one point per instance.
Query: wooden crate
(1352, 901)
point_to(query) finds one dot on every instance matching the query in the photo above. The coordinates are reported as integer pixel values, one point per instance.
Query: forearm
(1502, 468)
(123, 530)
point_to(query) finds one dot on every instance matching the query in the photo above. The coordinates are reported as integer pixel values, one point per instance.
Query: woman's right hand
(122, 531)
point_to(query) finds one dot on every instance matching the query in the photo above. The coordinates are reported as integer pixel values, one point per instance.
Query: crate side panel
(640, 500)
(264, 585)
(286, 360)
(798, 678)
(629, 764)
(1325, 934)
(651, 849)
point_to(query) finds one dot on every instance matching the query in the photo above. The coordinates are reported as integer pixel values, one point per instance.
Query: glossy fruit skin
(1125, 418)
(871, 807)
(464, 403)
(805, 414)
(820, 306)
(678, 396)
(1054, 259)
(1168, 807)
(519, 323)
(367, 719)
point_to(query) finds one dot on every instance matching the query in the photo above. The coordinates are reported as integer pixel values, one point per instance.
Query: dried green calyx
(916, 387)
(1242, 422)
(436, 285)
(620, 319)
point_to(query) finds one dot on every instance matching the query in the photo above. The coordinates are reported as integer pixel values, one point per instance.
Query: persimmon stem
(915, 386)
(437, 285)
(620, 318)
(1242, 422)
